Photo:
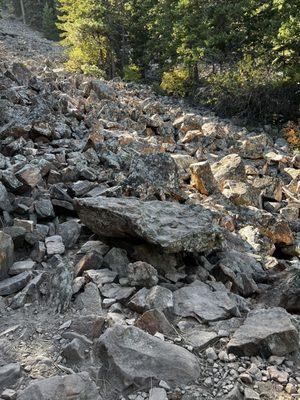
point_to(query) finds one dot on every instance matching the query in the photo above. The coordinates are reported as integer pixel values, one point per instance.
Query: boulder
(141, 357)
(9, 374)
(200, 300)
(5, 204)
(265, 332)
(76, 387)
(142, 274)
(157, 297)
(153, 175)
(69, 231)
(229, 167)
(6, 254)
(14, 284)
(241, 269)
(172, 227)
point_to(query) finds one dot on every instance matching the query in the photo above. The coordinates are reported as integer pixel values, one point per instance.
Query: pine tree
(48, 22)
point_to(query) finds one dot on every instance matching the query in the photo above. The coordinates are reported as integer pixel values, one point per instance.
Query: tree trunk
(23, 11)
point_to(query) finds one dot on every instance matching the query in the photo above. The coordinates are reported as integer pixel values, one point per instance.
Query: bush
(132, 73)
(291, 131)
(252, 92)
(177, 82)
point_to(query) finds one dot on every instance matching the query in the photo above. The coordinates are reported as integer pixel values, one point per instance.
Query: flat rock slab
(173, 227)
(265, 332)
(140, 356)
(200, 300)
(14, 284)
(75, 387)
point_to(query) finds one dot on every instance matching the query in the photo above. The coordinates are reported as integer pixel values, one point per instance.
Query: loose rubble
(149, 250)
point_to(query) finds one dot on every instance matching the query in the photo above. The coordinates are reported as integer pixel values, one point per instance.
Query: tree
(48, 22)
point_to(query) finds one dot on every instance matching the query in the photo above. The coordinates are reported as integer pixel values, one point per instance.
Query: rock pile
(148, 250)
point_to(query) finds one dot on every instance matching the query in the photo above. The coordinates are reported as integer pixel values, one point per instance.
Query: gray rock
(199, 299)
(14, 284)
(54, 245)
(102, 90)
(44, 208)
(142, 274)
(90, 326)
(5, 204)
(158, 394)
(29, 294)
(198, 339)
(265, 332)
(153, 175)
(70, 232)
(90, 299)
(21, 266)
(116, 291)
(251, 394)
(117, 260)
(100, 277)
(96, 246)
(156, 297)
(139, 356)
(171, 226)
(76, 387)
(92, 260)
(241, 269)
(9, 374)
(73, 352)
(153, 321)
(6, 254)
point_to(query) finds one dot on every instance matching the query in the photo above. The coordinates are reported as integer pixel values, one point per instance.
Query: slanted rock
(202, 178)
(14, 284)
(200, 300)
(75, 386)
(265, 332)
(171, 226)
(139, 356)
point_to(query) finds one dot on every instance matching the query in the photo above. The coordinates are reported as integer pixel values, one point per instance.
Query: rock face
(75, 386)
(265, 332)
(140, 356)
(172, 227)
(198, 299)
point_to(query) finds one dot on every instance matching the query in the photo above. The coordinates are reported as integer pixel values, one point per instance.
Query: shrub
(132, 73)
(177, 82)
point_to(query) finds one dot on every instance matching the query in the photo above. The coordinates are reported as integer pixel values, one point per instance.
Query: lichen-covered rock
(6, 254)
(171, 226)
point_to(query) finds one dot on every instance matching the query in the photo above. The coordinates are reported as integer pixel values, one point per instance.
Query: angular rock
(90, 299)
(14, 284)
(265, 332)
(116, 291)
(70, 232)
(44, 208)
(116, 259)
(30, 175)
(202, 178)
(158, 394)
(91, 260)
(156, 297)
(142, 274)
(153, 174)
(153, 321)
(172, 227)
(241, 193)
(90, 326)
(100, 277)
(5, 204)
(21, 266)
(199, 340)
(200, 300)
(230, 167)
(9, 374)
(139, 356)
(6, 254)
(54, 245)
(241, 269)
(76, 387)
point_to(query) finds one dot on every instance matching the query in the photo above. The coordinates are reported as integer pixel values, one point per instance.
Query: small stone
(279, 376)
(246, 378)
(211, 354)
(54, 245)
(9, 394)
(250, 394)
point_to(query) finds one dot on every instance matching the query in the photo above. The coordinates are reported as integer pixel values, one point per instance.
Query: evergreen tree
(48, 22)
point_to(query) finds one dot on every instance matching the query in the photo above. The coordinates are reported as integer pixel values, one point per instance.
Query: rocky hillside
(147, 250)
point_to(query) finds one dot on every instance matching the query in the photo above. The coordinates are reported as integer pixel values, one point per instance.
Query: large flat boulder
(171, 226)
(200, 300)
(140, 357)
(76, 387)
(265, 332)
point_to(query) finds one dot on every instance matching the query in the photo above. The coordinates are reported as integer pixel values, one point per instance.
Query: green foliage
(132, 73)
(48, 22)
(176, 82)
